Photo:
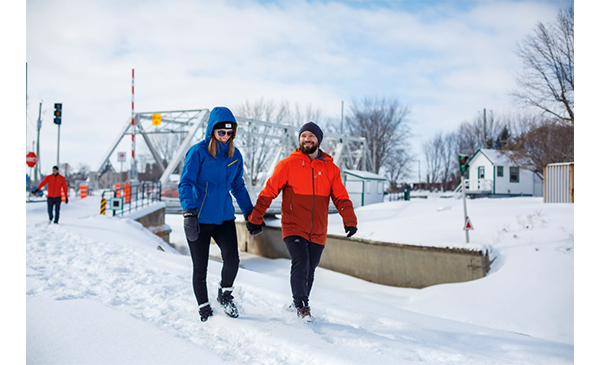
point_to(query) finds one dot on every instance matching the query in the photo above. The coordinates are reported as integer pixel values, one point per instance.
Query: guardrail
(129, 197)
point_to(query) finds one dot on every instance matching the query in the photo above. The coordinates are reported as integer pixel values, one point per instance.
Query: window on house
(500, 171)
(368, 187)
(514, 174)
(481, 172)
(379, 187)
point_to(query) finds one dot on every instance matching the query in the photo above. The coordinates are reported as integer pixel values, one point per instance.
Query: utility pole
(342, 121)
(463, 164)
(484, 130)
(419, 162)
(37, 147)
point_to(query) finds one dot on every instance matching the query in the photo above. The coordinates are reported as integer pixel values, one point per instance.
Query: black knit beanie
(314, 129)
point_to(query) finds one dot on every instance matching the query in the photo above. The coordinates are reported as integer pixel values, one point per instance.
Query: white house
(492, 173)
(363, 187)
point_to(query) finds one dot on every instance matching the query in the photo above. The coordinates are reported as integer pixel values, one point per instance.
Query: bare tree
(434, 151)
(397, 166)
(547, 81)
(441, 157)
(383, 123)
(258, 143)
(542, 143)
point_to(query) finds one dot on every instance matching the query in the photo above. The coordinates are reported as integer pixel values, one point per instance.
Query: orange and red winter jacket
(54, 185)
(307, 186)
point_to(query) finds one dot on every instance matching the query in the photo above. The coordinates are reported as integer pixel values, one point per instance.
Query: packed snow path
(99, 291)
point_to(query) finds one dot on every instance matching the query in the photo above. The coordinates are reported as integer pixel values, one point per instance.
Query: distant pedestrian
(55, 182)
(308, 178)
(213, 168)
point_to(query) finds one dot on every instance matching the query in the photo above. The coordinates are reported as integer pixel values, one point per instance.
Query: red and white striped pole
(132, 128)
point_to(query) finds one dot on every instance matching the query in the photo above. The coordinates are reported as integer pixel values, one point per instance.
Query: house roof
(364, 174)
(496, 157)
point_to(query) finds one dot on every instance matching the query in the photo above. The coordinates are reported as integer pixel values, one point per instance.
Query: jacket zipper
(205, 194)
(312, 211)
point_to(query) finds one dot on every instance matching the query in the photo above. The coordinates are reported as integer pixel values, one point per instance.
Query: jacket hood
(217, 115)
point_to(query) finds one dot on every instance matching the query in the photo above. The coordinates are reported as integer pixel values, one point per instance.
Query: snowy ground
(100, 292)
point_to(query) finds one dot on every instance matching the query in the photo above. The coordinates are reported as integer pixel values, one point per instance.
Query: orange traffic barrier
(127, 193)
(118, 190)
(62, 196)
(83, 191)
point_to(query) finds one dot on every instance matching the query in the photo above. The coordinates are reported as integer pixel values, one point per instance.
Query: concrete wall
(155, 222)
(383, 263)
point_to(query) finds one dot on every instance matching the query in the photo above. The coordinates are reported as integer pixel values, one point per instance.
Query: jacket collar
(321, 156)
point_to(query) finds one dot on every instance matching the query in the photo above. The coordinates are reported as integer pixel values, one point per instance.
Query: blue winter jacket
(206, 181)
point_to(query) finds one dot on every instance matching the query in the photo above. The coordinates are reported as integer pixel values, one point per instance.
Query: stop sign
(31, 159)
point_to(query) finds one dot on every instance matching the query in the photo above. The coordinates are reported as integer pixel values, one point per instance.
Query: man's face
(54, 171)
(308, 142)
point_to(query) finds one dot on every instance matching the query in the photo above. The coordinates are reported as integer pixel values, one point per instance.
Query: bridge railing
(132, 196)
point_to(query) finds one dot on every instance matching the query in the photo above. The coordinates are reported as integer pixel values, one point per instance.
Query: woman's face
(223, 135)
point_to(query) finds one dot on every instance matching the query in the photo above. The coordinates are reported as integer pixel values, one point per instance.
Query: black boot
(226, 300)
(303, 311)
(205, 311)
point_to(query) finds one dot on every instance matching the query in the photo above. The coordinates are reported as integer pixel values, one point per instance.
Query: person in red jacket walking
(308, 178)
(55, 182)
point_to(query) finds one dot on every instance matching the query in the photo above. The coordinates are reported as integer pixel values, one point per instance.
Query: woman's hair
(212, 145)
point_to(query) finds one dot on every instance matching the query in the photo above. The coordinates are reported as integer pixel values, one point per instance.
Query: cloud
(447, 60)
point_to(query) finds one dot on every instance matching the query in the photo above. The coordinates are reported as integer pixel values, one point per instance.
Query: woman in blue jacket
(213, 168)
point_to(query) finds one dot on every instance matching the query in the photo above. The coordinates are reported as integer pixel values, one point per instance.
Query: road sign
(116, 203)
(156, 119)
(31, 159)
(121, 156)
(468, 225)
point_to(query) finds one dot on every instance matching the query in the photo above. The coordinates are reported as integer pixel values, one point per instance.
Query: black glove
(191, 226)
(350, 230)
(255, 229)
(66, 200)
(34, 191)
(246, 215)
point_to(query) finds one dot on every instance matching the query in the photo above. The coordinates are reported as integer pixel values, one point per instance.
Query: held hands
(350, 230)
(254, 229)
(190, 224)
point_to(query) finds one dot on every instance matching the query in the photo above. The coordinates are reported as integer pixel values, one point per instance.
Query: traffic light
(463, 162)
(57, 113)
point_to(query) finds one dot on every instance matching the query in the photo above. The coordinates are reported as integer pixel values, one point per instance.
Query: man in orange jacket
(308, 178)
(55, 182)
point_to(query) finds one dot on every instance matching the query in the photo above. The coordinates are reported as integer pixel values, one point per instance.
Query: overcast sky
(447, 60)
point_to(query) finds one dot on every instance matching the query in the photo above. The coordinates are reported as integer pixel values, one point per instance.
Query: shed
(492, 173)
(559, 181)
(363, 187)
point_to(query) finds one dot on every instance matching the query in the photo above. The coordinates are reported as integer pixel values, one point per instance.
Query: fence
(130, 197)
(559, 183)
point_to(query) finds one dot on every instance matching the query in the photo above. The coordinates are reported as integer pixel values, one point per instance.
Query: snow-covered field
(100, 292)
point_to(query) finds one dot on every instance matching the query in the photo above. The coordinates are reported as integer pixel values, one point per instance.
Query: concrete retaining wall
(154, 221)
(383, 263)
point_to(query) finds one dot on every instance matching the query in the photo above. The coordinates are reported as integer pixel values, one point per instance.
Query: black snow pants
(305, 259)
(226, 238)
(54, 204)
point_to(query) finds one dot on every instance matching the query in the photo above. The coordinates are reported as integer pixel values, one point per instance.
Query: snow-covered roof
(496, 157)
(364, 174)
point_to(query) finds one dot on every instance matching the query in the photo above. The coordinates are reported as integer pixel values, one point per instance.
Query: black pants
(226, 238)
(305, 259)
(54, 203)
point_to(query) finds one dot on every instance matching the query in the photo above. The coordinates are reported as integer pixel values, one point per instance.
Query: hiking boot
(304, 314)
(225, 298)
(205, 311)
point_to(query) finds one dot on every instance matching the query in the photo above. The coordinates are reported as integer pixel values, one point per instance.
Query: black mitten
(191, 226)
(350, 230)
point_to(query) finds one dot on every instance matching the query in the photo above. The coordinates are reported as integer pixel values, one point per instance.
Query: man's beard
(309, 150)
